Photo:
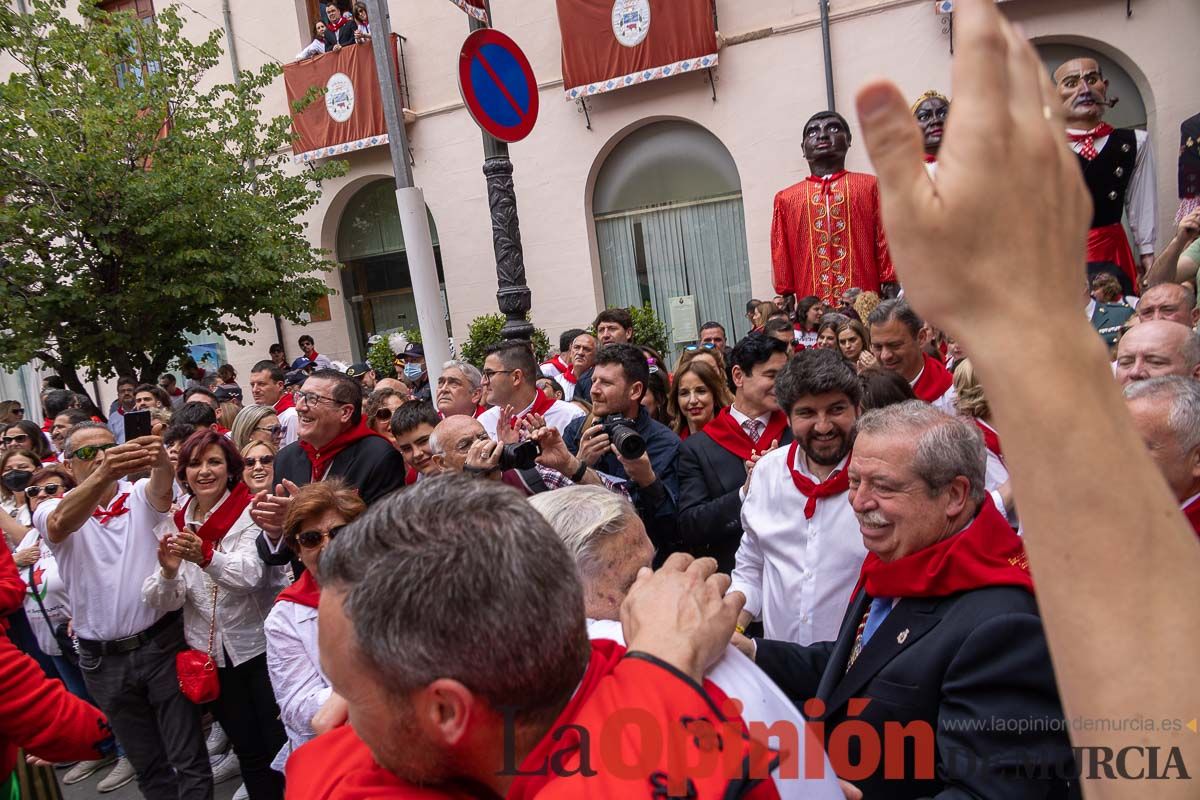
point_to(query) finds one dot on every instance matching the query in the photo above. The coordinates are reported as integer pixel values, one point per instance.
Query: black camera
(624, 436)
(522, 455)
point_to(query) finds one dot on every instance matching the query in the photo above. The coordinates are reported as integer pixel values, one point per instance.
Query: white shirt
(103, 565)
(558, 416)
(945, 403)
(289, 421)
(1141, 199)
(796, 573)
(294, 664)
(315, 48)
(246, 589)
(567, 387)
(762, 702)
(52, 591)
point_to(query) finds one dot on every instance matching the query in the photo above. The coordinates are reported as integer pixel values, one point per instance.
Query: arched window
(1130, 112)
(669, 223)
(370, 244)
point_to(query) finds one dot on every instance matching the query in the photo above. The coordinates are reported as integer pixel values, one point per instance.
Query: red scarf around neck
(729, 434)
(990, 438)
(541, 404)
(321, 459)
(333, 26)
(934, 381)
(219, 522)
(115, 509)
(832, 486)
(930, 159)
(985, 553)
(1089, 151)
(825, 182)
(559, 364)
(1192, 512)
(304, 592)
(284, 402)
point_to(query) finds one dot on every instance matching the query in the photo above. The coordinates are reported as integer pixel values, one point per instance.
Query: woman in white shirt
(213, 558)
(316, 513)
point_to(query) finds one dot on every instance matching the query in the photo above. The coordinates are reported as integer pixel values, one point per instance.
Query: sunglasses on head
(254, 461)
(50, 489)
(20, 437)
(691, 348)
(310, 539)
(90, 451)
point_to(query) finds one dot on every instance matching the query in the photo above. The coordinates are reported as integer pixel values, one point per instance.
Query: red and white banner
(609, 45)
(475, 8)
(350, 115)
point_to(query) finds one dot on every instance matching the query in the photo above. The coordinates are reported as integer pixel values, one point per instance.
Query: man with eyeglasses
(104, 535)
(266, 387)
(510, 374)
(334, 441)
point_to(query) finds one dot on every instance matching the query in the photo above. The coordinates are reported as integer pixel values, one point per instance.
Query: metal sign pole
(513, 296)
(410, 201)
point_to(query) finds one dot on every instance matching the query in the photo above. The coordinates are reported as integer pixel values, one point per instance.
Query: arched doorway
(370, 246)
(667, 206)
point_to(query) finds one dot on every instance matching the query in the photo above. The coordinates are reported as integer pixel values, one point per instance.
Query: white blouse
(294, 664)
(246, 589)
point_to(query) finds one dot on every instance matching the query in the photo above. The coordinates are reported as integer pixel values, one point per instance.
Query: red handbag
(198, 671)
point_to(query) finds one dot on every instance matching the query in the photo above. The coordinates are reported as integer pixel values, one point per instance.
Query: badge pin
(902, 637)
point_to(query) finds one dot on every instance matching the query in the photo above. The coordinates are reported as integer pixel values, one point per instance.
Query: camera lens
(629, 442)
(519, 456)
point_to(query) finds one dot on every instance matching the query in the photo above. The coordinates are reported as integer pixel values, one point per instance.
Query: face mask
(17, 480)
(413, 371)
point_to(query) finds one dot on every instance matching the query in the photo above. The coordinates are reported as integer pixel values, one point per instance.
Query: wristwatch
(579, 473)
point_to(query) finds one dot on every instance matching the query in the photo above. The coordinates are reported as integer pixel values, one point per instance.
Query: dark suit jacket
(960, 664)
(1108, 319)
(710, 508)
(370, 465)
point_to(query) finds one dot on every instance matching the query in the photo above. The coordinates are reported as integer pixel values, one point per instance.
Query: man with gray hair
(942, 629)
(459, 390)
(1157, 348)
(1166, 413)
(1169, 301)
(452, 623)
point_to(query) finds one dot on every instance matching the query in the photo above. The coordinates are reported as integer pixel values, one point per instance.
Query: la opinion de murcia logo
(631, 21)
(339, 97)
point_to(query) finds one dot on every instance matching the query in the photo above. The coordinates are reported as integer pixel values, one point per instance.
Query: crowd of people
(461, 568)
(337, 29)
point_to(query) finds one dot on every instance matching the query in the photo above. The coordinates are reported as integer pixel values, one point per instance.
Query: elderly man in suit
(942, 635)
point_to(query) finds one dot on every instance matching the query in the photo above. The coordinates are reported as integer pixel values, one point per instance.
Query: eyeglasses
(275, 430)
(310, 539)
(90, 451)
(50, 490)
(20, 437)
(18, 411)
(252, 461)
(691, 348)
(488, 374)
(312, 399)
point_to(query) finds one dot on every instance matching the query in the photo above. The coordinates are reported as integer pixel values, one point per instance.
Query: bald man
(1118, 166)
(1169, 301)
(1157, 348)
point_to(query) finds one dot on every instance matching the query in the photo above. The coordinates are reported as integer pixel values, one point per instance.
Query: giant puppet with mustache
(1118, 166)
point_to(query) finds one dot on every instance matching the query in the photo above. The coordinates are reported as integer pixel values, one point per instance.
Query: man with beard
(801, 550)
(1118, 166)
(826, 234)
(931, 111)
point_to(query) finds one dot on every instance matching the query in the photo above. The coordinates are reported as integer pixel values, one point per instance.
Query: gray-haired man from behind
(1166, 413)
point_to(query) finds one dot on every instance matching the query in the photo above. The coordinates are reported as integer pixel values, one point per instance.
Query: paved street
(87, 789)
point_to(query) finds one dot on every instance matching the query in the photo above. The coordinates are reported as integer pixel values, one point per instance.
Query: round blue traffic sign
(497, 85)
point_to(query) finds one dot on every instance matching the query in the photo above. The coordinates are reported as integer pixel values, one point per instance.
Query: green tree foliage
(141, 201)
(649, 330)
(484, 331)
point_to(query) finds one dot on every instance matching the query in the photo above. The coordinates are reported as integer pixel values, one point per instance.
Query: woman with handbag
(211, 570)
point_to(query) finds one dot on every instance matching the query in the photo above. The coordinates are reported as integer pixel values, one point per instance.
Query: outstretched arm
(1010, 201)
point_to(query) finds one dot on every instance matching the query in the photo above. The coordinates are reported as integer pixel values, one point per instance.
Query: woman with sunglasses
(26, 435)
(256, 424)
(698, 394)
(211, 569)
(378, 410)
(259, 472)
(316, 513)
(11, 411)
(17, 467)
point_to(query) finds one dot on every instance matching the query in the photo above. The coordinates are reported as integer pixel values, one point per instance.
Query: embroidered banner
(611, 44)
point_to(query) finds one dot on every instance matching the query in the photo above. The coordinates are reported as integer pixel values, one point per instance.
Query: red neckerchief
(321, 459)
(934, 381)
(285, 402)
(221, 429)
(176, 393)
(333, 26)
(1089, 151)
(541, 404)
(930, 159)
(985, 553)
(304, 592)
(730, 435)
(570, 377)
(478, 411)
(1192, 512)
(834, 485)
(990, 438)
(558, 364)
(219, 522)
(686, 432)
(47, 424)
(115, 509)
(826, 181)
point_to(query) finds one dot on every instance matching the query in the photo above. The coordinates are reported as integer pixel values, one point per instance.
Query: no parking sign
(497, 85)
